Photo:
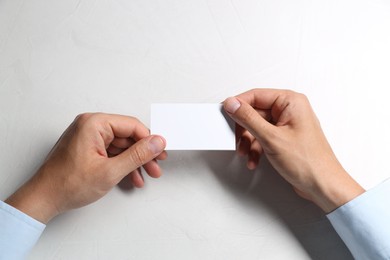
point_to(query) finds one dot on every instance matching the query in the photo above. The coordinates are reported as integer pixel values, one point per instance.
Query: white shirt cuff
(364, 223)
(19, 232)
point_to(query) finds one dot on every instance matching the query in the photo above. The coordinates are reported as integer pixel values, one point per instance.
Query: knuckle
(289, 94)
(83, 117)
(133, 118)
(289, 97)
(302, 97)
(302, 101)
(88, 121)
(81, 120)
(96, 117)
(87, 118)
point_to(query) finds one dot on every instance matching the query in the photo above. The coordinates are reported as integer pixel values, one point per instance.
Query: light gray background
(61, 58)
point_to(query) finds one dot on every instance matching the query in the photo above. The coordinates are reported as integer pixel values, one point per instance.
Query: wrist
(335, 189)
(34, 199)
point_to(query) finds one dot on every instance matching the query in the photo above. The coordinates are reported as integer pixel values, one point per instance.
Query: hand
(93, 155)
(282, 125)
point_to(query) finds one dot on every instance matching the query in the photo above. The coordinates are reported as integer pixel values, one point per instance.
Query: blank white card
(193, 126)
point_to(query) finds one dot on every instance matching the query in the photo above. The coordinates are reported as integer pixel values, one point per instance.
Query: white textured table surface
(61, 58)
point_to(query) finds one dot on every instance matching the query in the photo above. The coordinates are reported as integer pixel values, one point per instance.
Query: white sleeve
(18, 232)
(364, 223)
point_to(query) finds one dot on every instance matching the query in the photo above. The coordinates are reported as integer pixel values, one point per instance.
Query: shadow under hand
(125, 185)
(305, 220)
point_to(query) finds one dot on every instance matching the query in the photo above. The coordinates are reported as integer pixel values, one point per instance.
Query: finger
(118, 145)
(162, 156)
(254, 155)
(246, 116)
(137, 155)
(263, 98)
(273, 102)
(153, 169)
(113, 150)
(136, 178)
(123, 143)
(245, 143)
(118, 126)
(239, 132)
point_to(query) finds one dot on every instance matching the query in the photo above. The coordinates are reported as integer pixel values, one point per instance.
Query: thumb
(137, 155)
(247, 117)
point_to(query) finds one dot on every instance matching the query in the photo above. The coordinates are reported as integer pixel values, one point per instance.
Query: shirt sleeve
(364, 223)
(18, 232)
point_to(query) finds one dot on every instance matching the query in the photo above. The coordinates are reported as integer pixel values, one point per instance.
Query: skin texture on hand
(92, 156)
(282, 125)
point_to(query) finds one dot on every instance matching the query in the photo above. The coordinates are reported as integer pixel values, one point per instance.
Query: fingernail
(156, 145)
(232, 104)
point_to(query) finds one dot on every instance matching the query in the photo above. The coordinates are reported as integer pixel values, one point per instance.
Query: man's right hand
(282, 125)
